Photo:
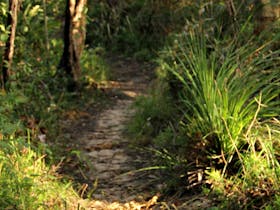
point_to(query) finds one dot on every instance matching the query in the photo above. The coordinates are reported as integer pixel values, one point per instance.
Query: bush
(135, 27)
(27, 183)
(94, 67)
(154, 113)
(224, 90)
(228, 93)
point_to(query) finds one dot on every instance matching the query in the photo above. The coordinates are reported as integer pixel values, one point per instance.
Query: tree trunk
(9, 48)
(74, 37)
(231, 9)
(46, 30)
(268, 13)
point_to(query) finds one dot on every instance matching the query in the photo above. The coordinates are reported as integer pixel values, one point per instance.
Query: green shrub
(275, 204)
(223, 87)
(94, 67)
(139, 26)
(256, 184)
(228, 92)
(27, 183)
(153, 114)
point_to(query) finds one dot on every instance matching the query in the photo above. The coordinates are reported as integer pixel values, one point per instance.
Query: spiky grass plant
(225, 86)
(260, 161)
(256, 184)
(229, 94)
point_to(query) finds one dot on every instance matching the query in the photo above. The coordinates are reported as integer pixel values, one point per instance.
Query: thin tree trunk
(268, 13)
(74, 37)
(9, 48)
(47, 43)
(231, 9)
(79, 26)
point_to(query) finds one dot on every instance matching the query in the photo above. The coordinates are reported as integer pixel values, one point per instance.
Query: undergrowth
(154, 113)
(222, 115)
(212, 115)
(94, 67)
(29, 129)
(31, 109)
(138, 28)
(28, 183)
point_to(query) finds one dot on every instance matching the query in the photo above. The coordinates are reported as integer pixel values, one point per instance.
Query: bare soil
(110, 166)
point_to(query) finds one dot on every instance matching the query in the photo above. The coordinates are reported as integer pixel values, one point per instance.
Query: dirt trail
(106, 146)
(111, 161)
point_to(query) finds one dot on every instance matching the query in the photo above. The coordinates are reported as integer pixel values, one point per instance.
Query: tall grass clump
(223, 86)
(255, 185)
(26, 182)
(229, 98)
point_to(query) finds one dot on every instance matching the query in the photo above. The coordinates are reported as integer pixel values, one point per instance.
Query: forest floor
(109, 166)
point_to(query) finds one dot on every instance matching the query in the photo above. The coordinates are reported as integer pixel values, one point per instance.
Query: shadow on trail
(98, 134)
(109, 170)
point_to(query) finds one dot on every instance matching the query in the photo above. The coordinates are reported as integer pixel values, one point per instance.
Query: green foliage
(31, 109)
(228, 91)
(9, 121)
(35, 42)
(165, 137)
(94, 67)
(27, 183)
(275, 204)
(257, 183)
(222, 90)
(3, 27)
(141, 27)
(217, 95)
(37, 54)
(135, 27)
(154, 113)
(224, 81)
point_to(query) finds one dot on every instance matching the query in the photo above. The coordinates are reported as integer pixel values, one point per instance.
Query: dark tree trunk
(74, 37)
(9, 48)
(231, 9)
(269, 12)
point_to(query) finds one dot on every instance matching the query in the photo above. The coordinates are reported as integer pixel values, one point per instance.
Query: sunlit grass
(228, 92)
(94, 67)
(26, 182)
(222, 92)
(256, 184)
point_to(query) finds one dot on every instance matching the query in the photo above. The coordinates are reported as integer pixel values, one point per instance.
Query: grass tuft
(224, 92)
(26, 182)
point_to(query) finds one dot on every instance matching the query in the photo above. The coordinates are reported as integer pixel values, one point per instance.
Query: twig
(46, 31)
(235, 148)
(255, 116)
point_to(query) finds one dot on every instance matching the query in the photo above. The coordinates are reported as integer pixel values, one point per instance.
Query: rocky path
(114, 164)
(114, 178)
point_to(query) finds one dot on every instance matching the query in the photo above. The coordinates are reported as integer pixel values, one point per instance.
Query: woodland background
(213, 108)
